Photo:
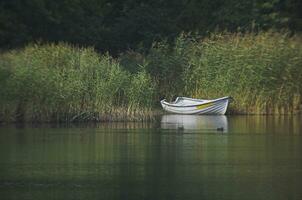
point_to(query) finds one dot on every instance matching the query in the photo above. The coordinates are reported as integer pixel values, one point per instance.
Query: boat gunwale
(187, 106)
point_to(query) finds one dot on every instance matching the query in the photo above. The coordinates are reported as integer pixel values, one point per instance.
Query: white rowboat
(184, 105)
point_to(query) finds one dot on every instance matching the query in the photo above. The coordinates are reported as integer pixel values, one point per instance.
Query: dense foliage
(59, 82)
(64, 83)
(262, 72)
(119, 25)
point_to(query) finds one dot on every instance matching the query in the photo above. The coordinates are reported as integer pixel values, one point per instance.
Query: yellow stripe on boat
(203, 106)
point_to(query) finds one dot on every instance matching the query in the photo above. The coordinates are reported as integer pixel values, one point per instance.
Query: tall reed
(60, 82)
(65, 83)
(262, 71)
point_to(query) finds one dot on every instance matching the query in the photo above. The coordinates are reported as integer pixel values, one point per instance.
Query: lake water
(177, 157)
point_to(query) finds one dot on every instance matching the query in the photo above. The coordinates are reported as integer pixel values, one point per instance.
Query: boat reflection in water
(195, 123)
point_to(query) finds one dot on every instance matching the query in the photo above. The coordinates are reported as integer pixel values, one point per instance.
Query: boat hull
(202, 107)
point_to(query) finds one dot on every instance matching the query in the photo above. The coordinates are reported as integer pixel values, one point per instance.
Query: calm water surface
(178, 157)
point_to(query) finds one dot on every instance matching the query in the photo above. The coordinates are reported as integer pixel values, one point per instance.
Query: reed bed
(60, 82)
(263, 72)
(65, 83)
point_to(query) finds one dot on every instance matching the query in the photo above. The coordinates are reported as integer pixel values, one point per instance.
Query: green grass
(263, 72)
(60, 82)
(65, 83)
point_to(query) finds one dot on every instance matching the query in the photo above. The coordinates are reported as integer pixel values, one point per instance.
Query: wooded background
(119, 25)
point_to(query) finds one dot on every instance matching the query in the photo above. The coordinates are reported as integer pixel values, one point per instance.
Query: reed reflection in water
(259, 158)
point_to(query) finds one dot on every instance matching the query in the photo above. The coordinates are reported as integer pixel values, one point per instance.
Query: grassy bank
(65, 83)
(263, 72)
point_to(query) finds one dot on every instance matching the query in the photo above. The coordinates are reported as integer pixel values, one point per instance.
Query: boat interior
(182, 101)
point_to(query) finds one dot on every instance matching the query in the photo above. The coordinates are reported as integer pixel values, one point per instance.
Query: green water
(174, 158)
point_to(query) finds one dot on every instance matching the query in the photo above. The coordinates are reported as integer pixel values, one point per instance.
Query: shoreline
(65, 83)
(123, 116)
